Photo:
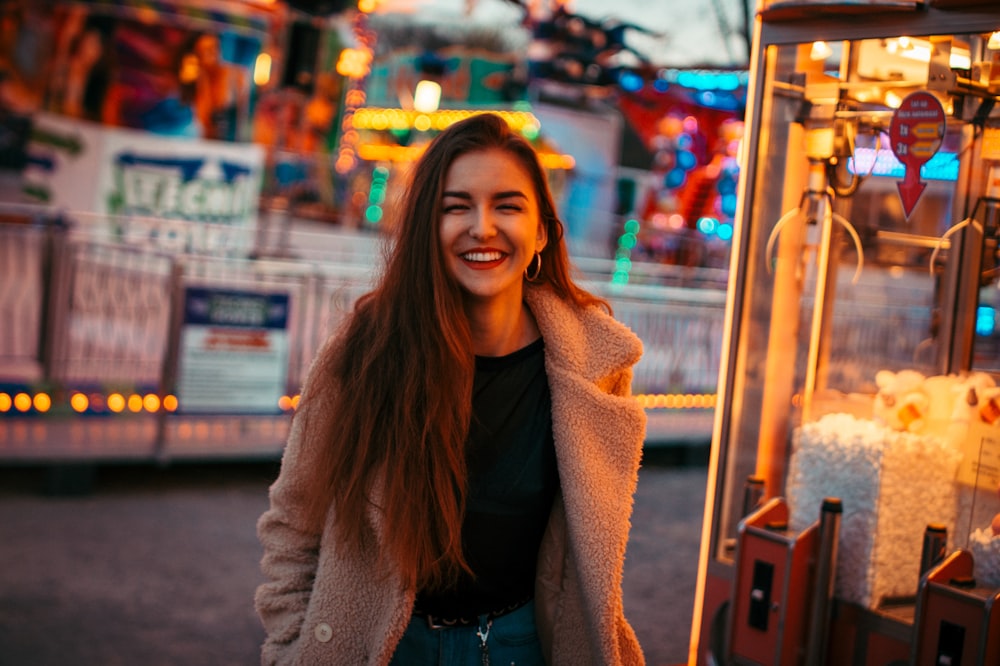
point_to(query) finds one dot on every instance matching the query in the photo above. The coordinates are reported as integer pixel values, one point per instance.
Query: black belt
(445, 622)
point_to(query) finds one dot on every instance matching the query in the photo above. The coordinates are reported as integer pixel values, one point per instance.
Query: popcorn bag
(892, 484)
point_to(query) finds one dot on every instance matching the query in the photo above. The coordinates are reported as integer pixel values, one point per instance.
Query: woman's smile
(481, 260)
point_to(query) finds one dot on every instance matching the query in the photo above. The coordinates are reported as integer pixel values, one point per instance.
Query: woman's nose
(482, 225)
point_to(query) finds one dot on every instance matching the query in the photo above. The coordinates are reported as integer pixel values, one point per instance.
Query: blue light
(942, 166)
(728, 82)
(725, 231)
(674, 178)
(985, 321)
(686, 160)
(688, 79)
(707, 225)
(728, 206)
(630, 81)
(661, 86)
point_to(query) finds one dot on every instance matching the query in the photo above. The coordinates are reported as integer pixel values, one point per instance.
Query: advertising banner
(233, 352)
(186, 195)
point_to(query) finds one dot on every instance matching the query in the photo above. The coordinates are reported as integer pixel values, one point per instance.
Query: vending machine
(853, 505)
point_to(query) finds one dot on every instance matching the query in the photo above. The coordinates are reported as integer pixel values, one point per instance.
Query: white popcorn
(892, 485)
(985, 549)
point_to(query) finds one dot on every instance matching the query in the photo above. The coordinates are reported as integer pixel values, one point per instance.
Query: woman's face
(490, 226)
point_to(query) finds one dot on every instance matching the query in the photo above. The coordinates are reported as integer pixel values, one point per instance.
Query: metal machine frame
(782, 29)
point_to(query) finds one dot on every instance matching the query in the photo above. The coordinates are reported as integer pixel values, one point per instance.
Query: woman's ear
(541, 238)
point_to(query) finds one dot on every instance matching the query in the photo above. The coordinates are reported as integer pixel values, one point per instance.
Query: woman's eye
(510, 208)
(455, 208)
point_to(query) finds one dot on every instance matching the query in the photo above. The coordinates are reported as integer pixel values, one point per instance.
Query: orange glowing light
(135, 403)
(22, 402)
(677, 401)
(5, 402)
(79, 402)
(42, 402)
(262, 69)
(170, 403)
(116, 402)
(151, 402)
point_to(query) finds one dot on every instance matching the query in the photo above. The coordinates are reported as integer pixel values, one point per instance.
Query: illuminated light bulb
(892, 99)
(5, 402)
(262, 69)
(170, 403)
(295, 401)
(135, 403)
(42, 402)
(116, 402)
(22, 402)
(427, 96)
(79, 402)
(422, 123)
(151, 402)
(189, 69)
(820, 50)
(284, 403)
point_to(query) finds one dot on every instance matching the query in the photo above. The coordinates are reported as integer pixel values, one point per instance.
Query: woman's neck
(501, 331)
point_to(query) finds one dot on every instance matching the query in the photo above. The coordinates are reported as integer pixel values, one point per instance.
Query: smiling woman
(459, 475)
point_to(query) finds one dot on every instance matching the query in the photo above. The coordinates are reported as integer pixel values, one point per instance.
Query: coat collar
(588, 341)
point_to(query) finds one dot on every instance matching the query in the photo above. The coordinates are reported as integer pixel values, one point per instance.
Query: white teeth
(482, 256)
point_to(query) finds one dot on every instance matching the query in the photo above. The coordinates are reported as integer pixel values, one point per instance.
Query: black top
(512, 482)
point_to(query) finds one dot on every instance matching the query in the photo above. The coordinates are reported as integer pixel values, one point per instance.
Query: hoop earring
(536, 261)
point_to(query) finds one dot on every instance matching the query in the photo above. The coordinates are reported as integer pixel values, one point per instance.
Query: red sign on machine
(916, 132)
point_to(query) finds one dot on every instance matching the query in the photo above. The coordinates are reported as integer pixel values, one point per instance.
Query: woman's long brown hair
(401, 374)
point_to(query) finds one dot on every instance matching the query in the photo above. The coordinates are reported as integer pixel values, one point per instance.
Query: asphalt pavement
(156, 566)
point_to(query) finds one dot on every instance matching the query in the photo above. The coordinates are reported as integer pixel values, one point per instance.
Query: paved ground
(158, 566)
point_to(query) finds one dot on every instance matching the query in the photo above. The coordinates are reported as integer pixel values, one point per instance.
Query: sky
(689, 32)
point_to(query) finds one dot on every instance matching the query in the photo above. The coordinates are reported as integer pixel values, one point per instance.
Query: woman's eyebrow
(509, 194)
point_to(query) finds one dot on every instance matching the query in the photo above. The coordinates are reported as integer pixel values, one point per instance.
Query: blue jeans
(511, 641)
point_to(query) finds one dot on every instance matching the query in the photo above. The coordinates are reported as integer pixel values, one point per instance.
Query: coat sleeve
(291, 548)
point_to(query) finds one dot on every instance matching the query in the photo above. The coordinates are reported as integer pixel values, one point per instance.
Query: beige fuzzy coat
(319, 607)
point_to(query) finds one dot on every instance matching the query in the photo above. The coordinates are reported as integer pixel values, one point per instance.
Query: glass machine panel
(864, 346)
